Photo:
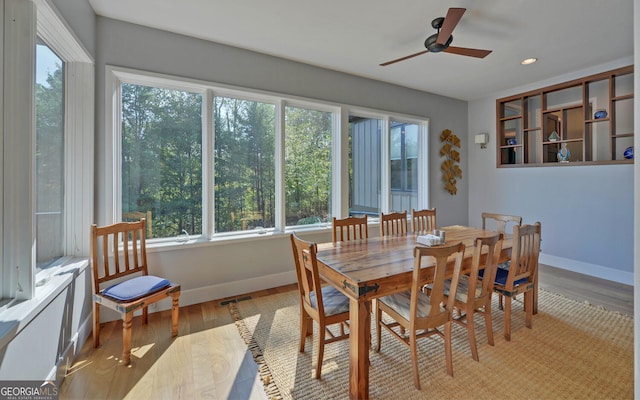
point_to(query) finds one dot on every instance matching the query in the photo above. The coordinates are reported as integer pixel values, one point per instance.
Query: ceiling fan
(441, 40)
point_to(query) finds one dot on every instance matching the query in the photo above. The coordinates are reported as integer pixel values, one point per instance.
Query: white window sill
(16, 315)
(236, 237)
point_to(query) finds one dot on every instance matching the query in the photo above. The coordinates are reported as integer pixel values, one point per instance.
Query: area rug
(574, 351)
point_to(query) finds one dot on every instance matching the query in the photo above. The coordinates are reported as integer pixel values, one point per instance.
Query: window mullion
(340, 162)
(385, 165)
(208, 165)
(279, 156)
(423, 166)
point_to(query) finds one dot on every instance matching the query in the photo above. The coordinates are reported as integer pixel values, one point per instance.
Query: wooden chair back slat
(394, 223)
(524, 254)
(441, 255)
(423, 221)
(304, 255)
(494, 247)
(118, 250)
(350, 228)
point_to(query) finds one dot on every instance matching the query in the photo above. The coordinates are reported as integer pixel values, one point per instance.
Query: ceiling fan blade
(463, 51)
(384, 64)
(450, 22)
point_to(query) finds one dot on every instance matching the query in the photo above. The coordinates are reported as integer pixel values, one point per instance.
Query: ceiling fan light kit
(441, 40)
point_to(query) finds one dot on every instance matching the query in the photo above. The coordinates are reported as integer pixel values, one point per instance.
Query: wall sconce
(482, 139)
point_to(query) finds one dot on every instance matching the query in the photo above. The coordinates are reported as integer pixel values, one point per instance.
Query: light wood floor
(209, 359)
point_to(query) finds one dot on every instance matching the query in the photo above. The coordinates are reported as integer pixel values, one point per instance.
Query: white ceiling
(355, 36)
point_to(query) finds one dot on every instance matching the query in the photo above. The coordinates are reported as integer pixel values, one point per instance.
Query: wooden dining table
(375, 267)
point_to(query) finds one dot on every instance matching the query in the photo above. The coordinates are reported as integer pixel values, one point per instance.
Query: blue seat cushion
(504, 265)
(501, 277)
(136, 287)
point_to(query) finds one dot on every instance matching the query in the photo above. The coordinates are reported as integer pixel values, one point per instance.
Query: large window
(244, 165)
(307, 166)
(404, 166)
(49, 156)
(214, 161)
(365, 165)
(386, 177)
(162, 159)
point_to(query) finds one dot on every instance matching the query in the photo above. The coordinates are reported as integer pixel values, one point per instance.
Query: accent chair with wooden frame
(325, 305)
(394, 223)
(119, 261)
(423, 221)
(415, 311)
(474, 294)
(521, 277)
(350, 228)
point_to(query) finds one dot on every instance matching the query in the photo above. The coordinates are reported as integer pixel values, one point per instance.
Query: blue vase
(628, 153)
(564, 153)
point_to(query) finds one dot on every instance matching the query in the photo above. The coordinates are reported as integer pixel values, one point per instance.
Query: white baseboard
(235, 288)
(598, 271)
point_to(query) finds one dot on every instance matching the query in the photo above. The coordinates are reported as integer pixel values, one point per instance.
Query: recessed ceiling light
(528, 61)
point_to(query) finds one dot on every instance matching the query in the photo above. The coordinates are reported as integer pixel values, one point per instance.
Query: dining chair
(415, 311)
(474, 294)
(521, 277)
(423, 221)
(394, 223)
(500, 223)
(119, 262)
(324, 305)
(350, 228)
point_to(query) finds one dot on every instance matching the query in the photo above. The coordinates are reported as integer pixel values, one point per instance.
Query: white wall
(586, 211)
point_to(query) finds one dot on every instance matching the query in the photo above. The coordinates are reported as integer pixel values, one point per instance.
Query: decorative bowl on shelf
(628, 153)
(600, 114)
(511, 142)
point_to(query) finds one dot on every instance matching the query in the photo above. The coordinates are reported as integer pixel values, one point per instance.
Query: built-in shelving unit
(592, 117)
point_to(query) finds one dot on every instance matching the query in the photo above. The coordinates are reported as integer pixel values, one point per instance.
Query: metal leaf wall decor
(451, 171)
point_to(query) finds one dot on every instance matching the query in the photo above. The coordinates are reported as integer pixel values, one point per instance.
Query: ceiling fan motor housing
(432, 45)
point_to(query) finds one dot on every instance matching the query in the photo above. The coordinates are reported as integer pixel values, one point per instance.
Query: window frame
(20, 281)
(115, 76)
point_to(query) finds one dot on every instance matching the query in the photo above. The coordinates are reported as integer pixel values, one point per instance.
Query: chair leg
(145, 315)
(414, 358)
(303, 328)
(535, 294)
(488, 323)
(447, 347)
(175, 314)
(127, 321)
(500, 306)
(378, 316)
(321, 336)
(471, 332)
(528, 300)
(507, 318)
(96, 324)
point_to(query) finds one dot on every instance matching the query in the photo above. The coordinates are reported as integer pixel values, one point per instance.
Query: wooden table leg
(360, 333)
